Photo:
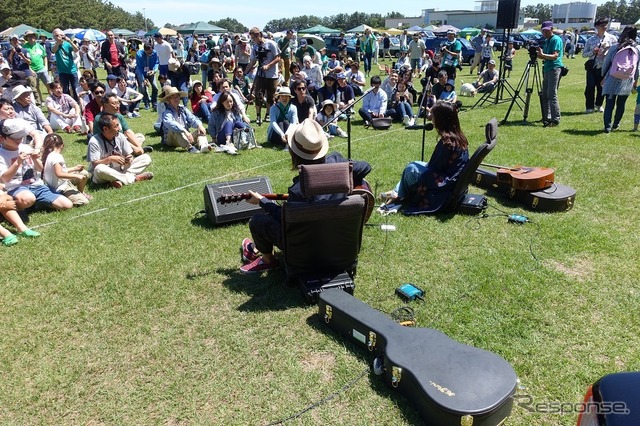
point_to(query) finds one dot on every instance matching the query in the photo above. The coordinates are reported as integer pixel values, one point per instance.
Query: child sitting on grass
(71, 182)
(326, 115)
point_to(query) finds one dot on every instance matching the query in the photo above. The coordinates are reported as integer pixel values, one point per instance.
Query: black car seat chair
(322, 238)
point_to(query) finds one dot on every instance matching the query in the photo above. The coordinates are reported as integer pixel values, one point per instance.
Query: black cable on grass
(325, 399)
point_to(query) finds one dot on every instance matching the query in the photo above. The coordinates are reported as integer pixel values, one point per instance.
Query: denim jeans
(611, 101)
(69, 83)
(410, 177)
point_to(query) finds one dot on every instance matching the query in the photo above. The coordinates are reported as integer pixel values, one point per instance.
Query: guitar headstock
(232, 198)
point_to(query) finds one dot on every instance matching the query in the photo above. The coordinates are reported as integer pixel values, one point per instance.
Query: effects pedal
(409, 292)
(517, 219)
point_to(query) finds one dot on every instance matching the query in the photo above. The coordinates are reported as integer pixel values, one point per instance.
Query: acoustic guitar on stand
(524, 178)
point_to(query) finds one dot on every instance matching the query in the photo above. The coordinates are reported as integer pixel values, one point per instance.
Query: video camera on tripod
(532, 48)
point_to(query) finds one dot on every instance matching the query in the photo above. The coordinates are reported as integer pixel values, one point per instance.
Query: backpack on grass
(625, 62)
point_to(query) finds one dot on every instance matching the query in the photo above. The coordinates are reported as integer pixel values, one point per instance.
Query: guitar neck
(234, 198)
(495, 166)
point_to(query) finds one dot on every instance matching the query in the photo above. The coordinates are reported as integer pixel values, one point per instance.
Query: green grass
(131, 311)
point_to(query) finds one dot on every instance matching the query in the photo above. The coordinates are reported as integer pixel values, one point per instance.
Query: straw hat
(307, 140)
(170, 91)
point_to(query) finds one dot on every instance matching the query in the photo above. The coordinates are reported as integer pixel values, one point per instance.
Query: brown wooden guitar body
(527, 178)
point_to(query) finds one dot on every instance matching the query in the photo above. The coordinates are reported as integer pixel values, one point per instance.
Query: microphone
(428, 127)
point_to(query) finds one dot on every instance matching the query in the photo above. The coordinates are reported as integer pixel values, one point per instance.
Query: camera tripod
(496, 95)
(529, 83)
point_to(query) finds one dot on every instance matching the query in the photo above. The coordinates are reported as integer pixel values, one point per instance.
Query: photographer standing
(267, 54)
(551, 53)
(67, 70)
(450, 52)
(596, 49)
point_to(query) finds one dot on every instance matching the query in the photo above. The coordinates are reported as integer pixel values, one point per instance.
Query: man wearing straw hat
(176, 122)
(308, 144)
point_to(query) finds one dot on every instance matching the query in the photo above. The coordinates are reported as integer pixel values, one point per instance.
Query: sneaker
(607, 130)
(77, 129)
(117, 184)
(615, 127)
(135, 115)
(412, 122)
(218, 148)
(258, 265)
(9, 240)
(67, 129)
(205, 149)
(146, 106)
(194, 150)
(266, 118)
(367, 123)
(248, 251)
(129, 115)
(258, 121)
(600, 108)
(147, 149)
(29, 233)
(342, 133)
(589, 111)
(144, 176)
(405, 120)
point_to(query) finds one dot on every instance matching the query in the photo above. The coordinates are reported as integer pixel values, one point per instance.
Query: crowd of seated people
(200, 93)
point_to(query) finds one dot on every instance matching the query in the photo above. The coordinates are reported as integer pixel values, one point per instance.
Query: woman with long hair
(225, 118)
(424, 186)
(617, 89)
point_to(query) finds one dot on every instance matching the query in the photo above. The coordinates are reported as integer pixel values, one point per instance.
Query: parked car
(332, 43)
(498, 42)
(582, 40)
(468, 51)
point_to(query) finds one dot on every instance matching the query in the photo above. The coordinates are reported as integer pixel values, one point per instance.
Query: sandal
(9, 240)
(29, 233)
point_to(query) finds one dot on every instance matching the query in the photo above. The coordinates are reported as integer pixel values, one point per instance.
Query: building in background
(574, 15)
(484, 14)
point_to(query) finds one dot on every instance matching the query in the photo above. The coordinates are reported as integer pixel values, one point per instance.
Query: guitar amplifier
(232, 212)
(449, 383)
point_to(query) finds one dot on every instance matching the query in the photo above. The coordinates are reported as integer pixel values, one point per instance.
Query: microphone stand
(426, 91)
(348, 109)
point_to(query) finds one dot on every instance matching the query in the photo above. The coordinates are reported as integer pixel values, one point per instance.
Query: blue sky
(259, 12)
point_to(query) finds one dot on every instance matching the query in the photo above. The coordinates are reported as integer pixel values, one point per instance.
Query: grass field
(131, 310)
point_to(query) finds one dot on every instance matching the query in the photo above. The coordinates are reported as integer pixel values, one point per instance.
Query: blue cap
(111, 77)
(341, 75)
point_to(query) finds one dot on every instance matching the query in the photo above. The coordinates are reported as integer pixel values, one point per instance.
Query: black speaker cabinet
(222, 213)
(508, 12)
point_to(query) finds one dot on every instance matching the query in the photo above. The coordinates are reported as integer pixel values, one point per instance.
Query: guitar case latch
(328, 312)
(466, 420)
(396, 376)
(372, 341)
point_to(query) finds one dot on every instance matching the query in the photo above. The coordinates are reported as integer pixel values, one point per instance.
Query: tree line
(341, 21)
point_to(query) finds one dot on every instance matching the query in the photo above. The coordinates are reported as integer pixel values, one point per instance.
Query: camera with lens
(532, 48)
(262, 54)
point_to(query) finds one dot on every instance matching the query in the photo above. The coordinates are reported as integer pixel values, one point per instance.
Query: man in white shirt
(164, 51)
(374, 104)
(355, 79)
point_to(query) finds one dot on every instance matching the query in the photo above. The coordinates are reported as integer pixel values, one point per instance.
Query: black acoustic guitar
(450, 383)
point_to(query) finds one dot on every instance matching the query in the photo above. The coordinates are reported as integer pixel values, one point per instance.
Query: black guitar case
(557, 198)
(450, 383)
